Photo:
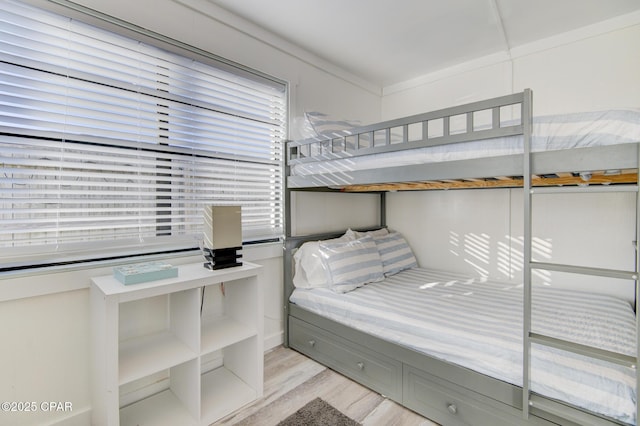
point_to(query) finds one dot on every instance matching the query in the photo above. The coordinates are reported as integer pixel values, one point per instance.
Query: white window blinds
(109, 146)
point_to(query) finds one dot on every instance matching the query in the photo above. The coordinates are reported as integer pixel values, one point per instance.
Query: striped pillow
(352, 264)
(395, 253)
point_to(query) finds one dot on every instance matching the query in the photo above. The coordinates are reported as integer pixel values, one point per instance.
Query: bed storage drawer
(376, 371)
(453, 405)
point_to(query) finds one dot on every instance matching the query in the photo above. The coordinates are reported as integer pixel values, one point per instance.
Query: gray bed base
(443, 392)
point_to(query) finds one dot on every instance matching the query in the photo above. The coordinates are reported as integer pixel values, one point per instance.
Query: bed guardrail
(491, 118)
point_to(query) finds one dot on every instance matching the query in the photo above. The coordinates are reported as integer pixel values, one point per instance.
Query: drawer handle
(312, 343)
(360, 365)
(452, 408)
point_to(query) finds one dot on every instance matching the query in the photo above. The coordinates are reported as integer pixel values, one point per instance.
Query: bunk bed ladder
(529, 337)
(527, 121)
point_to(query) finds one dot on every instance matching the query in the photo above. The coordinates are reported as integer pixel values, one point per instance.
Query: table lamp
(222, 236)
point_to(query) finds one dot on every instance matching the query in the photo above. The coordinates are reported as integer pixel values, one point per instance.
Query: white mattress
(478, 324)
(554, 132)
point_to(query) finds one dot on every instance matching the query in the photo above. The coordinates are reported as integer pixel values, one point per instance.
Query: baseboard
(273, 340)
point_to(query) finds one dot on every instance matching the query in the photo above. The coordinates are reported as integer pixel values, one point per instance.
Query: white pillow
(351, 264)
(395, 253)
(310, 270)
(325, 125)
(359, 234)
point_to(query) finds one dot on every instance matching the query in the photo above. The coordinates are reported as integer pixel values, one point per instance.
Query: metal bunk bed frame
(439, 390)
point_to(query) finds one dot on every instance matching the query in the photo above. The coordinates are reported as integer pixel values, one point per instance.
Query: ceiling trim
(600, 28)
(509, 54)
(257, 33)
(485, 61)
(498, 17)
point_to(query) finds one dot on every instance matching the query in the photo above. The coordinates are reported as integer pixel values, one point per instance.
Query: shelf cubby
(224, 331)
(155, 335)
(179, 404)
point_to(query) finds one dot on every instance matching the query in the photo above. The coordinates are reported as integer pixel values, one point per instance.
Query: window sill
(55, 279)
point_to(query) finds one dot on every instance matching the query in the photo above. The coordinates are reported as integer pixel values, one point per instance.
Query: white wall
(324, 212)
(45, 316)
(597, 72)
(566, 74)
(481, 231)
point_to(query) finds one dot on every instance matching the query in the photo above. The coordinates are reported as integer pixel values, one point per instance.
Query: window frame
(123, 28)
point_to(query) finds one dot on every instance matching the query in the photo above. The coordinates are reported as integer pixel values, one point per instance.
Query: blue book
(144, 272)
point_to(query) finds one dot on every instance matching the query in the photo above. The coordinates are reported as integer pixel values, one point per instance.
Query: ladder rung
(585, 270)
(609, 356)
(580, 189)
(563, 411)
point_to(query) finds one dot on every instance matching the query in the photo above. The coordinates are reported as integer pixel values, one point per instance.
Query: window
(110, 146)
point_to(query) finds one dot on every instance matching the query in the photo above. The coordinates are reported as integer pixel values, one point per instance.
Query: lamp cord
(202, 300)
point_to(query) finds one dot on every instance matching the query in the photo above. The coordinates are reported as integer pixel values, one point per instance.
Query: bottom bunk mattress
(477, 324)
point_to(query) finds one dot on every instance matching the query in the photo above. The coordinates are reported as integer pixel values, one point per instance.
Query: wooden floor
(291, 380)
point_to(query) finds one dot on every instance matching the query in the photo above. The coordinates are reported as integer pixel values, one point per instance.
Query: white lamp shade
(222, 227)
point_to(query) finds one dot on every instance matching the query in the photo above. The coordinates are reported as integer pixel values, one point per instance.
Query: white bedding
(477, 324)
(554, 132)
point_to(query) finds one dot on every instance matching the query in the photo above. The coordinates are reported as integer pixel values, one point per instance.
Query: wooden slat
(561, 179)
(596, 178)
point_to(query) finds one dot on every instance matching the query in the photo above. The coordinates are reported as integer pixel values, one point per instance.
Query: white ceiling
(387, 42)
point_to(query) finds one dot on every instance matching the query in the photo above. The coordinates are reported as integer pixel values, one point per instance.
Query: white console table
(178, 347)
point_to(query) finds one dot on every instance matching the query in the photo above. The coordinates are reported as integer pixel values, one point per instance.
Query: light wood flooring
(291, 380)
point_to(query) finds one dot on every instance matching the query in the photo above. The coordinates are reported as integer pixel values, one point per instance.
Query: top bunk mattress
(549, 133)
(477, 324)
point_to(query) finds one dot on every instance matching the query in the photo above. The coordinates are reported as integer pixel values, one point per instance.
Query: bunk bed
(407, 347)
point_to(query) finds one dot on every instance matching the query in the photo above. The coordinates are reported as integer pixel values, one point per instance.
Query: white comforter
(478, 324)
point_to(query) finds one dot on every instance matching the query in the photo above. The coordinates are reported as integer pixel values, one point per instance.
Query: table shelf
(176, 341)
